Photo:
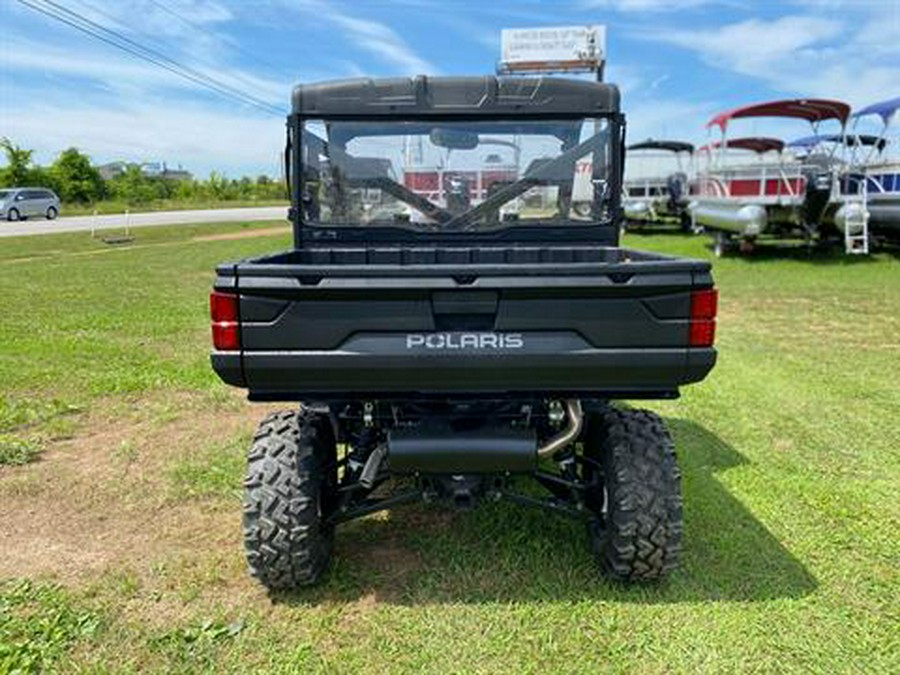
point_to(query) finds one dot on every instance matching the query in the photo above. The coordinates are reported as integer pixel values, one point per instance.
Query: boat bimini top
(670, 146)
(883, 172)
(885, 109)
(851, 140)
(813, 110)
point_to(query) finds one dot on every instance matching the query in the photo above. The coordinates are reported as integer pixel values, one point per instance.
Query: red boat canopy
(810, 109)
(759, 144)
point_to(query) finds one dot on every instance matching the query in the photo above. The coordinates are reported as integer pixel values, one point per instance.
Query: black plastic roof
(671, 146)
(435, 96)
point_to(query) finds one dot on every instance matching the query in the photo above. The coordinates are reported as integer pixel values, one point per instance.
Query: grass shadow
(655, 229)
(503, 553)
(819, 254)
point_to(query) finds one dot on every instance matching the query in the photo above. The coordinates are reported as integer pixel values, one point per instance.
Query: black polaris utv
(447, 323)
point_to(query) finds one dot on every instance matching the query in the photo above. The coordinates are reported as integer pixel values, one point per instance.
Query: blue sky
(677, 62)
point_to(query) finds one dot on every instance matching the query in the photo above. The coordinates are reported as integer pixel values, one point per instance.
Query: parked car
(22, 203)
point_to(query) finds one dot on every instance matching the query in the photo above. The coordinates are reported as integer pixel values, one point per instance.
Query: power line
(126, 44)
(227, 39)
(235, 75)
(221, 87)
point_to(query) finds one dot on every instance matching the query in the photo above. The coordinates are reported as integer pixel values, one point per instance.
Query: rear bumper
(605, 373)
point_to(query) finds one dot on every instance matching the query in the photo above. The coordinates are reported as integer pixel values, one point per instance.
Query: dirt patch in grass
(100, 500)
(246, 234)
(387, 563)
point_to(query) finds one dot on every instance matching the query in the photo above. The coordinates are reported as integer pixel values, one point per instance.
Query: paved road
(86, 223)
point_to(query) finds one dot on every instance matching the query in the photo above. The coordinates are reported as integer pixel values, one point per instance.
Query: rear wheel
(635, 490)
(13, 214)
(289, 493)
(51, 213)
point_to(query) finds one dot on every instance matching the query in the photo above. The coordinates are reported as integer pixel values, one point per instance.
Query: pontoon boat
(658, 193)
(846, 155)
(882, 185)
(780, 196)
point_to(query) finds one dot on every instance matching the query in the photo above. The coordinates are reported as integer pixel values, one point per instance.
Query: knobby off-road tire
(639, 537)
(289, 491)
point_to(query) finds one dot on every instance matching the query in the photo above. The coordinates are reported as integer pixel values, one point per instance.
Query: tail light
(223, 309)
(703, 317)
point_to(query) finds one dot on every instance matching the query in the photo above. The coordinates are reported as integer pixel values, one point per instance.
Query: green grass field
(121, 459)
(108, 206)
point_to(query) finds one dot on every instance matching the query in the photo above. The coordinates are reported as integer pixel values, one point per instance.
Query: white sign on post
(560, 48)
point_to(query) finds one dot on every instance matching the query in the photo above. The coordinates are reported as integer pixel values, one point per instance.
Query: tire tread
(286, 543)
(641, 537)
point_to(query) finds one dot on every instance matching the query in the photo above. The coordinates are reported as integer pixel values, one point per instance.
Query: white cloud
(747, 45)
(183, 31)
(31, 56)
(384, 42)
(201, 138)
(373, 36)
(175, 28)
(115, 71)
(200, 11)
(629, 78)
(647, 5)
(666, 119)
(801, 55)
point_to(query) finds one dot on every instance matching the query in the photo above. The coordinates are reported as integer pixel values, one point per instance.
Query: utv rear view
(449, 322)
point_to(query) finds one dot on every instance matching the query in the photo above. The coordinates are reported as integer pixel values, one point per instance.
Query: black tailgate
(583, 325)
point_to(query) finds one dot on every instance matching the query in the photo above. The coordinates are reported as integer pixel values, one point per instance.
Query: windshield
(457, 175)
(4, 194)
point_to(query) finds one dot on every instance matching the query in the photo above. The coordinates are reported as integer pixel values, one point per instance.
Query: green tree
(219, 186)
(18, 164)
(76, 179)
(133, 186)
(187, 190)
(41, 176)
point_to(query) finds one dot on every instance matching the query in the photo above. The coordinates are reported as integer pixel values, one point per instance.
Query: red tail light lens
(704, 305)
(223, 306)
(226, 337)
(703, 333)
(223, 309)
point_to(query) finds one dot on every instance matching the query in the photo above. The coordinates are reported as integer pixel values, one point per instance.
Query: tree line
(76, 180)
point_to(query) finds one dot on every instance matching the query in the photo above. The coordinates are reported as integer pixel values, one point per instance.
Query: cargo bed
(337, 322)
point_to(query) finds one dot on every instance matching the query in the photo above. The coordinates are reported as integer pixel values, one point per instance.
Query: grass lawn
(108, 207)
(121, 459)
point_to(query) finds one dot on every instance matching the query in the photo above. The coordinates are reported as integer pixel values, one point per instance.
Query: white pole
(94, 224)
(127, 221)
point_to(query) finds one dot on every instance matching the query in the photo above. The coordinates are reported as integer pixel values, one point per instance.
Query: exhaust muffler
(440, 449)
